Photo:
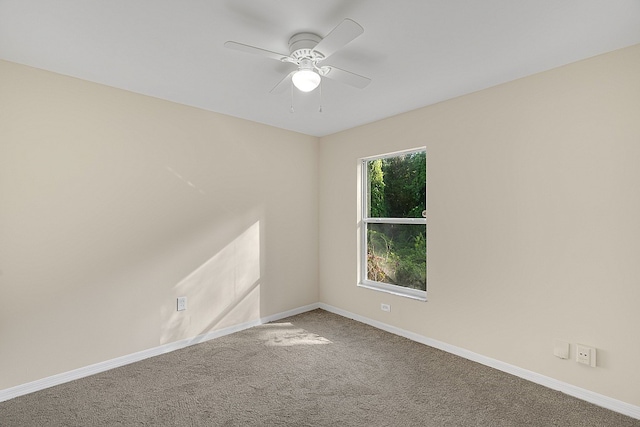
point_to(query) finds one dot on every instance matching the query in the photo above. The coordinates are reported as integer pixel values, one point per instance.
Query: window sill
(395, 290)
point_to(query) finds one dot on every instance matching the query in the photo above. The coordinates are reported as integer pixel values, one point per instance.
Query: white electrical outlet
(385, 307)
(586, 355)
(182, 303)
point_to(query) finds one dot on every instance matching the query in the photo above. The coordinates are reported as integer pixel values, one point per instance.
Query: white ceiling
(417, 52)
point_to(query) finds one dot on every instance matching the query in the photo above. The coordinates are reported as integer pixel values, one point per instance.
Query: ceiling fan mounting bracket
(301, 54)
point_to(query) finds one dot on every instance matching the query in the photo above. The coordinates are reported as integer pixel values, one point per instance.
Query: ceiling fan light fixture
(306, 80)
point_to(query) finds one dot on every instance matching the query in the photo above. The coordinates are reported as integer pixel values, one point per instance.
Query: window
(394, 224)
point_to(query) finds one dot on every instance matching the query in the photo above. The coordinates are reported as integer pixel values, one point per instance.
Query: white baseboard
(86, 371)
(580, 393)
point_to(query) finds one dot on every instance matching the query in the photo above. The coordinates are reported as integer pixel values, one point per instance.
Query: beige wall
(533, 221)
(113, 204)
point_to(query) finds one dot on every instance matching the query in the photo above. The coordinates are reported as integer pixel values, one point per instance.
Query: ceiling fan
(308, 51)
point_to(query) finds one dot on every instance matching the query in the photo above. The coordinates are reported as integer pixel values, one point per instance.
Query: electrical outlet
(385, 307)
(586, 355)
(182, 303)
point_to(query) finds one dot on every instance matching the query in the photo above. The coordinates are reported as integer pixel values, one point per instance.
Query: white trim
(43, 383)
(396, 153)
(416, 294)
(572, 390)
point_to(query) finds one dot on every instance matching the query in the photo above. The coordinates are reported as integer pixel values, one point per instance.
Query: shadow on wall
(222, 292)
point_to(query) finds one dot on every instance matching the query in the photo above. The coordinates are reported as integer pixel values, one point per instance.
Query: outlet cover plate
(182, 303)
(586, 355)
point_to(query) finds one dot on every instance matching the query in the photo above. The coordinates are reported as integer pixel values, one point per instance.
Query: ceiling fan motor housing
(301, 46)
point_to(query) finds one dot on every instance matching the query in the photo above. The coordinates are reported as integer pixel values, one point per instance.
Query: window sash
(395, 220)
(387, 287)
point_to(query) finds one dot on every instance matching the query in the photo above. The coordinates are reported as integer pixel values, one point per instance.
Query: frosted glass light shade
(306, 80)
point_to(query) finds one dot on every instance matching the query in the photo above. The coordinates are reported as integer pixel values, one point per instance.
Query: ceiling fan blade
(255, 50)
(281, 85)
(346, 31)
(346, 77)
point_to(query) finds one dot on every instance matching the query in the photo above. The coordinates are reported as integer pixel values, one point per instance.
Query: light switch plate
(561, 349)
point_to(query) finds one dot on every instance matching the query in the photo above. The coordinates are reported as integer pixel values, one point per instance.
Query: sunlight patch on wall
(224, 291)
(185, 180)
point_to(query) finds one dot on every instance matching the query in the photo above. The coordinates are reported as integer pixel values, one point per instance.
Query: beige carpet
(314, 369)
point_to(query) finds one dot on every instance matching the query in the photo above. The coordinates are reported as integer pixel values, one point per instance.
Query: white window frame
(365, 220)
